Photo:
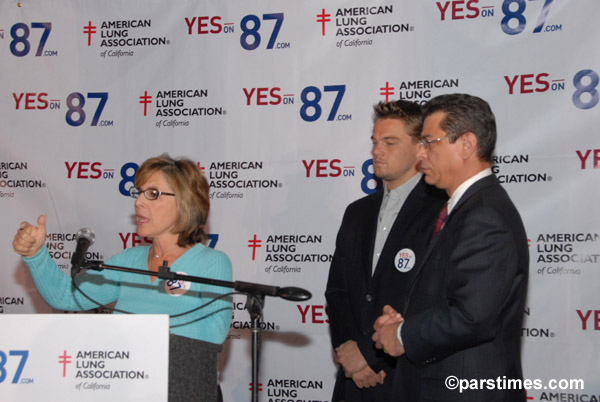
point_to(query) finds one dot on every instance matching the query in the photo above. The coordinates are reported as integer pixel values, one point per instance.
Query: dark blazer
(355, 298)
(464, 311)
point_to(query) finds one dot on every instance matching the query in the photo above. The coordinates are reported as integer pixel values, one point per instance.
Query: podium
(102, 357)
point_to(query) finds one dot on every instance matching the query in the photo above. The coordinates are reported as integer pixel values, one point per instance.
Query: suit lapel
(476, 187)
(408, 213)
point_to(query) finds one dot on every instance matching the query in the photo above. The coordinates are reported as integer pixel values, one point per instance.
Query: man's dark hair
(466, 113)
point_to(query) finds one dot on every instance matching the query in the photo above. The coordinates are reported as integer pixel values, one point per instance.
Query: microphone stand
(254, 303)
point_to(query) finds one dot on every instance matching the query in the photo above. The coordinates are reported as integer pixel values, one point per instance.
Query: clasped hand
(386, 332)
(355, 366)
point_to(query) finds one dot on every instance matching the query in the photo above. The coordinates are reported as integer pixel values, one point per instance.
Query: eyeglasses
(425, 143)
(150, 193)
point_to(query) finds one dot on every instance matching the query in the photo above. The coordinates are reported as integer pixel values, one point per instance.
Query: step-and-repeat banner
(273, 100)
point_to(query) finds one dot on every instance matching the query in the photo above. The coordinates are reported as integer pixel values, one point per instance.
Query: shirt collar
(404, 189)
(465, 186)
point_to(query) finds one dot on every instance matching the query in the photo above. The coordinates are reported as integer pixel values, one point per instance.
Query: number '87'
(311, 96)
(75, 116)
(20, 45)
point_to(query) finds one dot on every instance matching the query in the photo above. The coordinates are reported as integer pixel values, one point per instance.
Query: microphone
(288, 293)
(292, 293)
(85, 238)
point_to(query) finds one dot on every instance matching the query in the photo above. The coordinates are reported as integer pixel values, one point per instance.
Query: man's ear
(468, 145)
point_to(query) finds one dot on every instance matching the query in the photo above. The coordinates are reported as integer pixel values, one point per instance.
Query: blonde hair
(191, 194)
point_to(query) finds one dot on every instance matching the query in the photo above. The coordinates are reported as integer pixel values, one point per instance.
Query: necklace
(157, 255)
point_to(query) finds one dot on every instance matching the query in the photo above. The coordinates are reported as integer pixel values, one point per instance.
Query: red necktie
(441, 219)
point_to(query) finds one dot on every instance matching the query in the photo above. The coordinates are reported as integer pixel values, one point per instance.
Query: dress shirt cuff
(399, 333)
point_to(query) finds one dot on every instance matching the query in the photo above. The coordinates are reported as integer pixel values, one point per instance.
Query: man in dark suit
(464, 311)
(382, 238)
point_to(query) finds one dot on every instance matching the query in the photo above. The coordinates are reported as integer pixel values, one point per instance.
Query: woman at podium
(171, 209)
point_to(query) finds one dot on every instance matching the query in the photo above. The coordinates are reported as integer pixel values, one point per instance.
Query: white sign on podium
(87, 357)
